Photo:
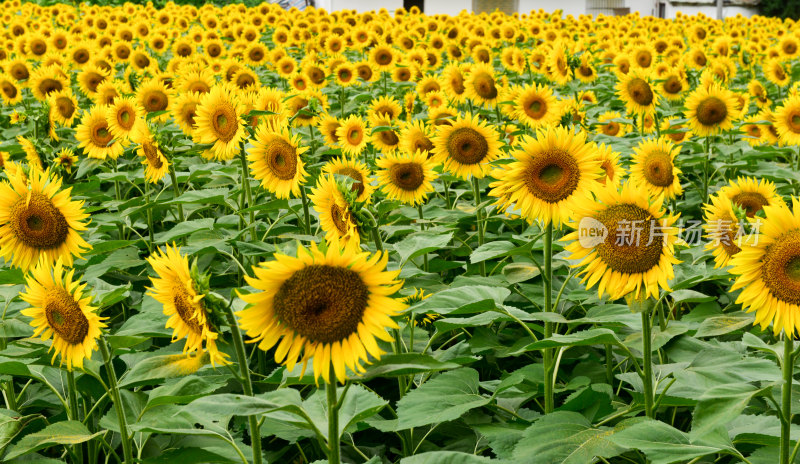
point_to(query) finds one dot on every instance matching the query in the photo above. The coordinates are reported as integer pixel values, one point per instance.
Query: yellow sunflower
(536, 106)
(335, 216)
(276, 161)
(9, 90)
(66, 159)
(60, 310)
(613, 172)
(606, 125)
(154, 96)
(352, 135)
(94, 136)
(466, 147)
(722, 230)
(63, 107)
(676, 131)
(481, 85)
(176, 289)
(711, 110)
(384, 137)
(46, 80)
(767, 270)
(357, 171)
(219, 122)
(416, 136)
(330, 306)
(653, 167)
(156, 165)
(31, 155)
(184, 110)
(635, 90)
(751, 195)
(787, 120)
(407, 177)
(122, 116)
(551, 175)
(624, 242)
(38, 220)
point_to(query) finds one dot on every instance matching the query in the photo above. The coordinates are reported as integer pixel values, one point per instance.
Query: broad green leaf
(183, 229)
(720, 405)
(445, 457)
(420, 243)
(59, 433)
(463, 300)
(229, 404)
(164, 367)
(121, 259)
(393, 365)
(565, 437)
(520, 272)
(185, 389)
(445, 398)
(204, 196)
(720, 325)
(661, 443)
(359, 404)
(690, 296)
(491, 250)
(584, 337)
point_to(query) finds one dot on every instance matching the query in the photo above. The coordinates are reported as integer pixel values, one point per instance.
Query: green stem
(547, 353)
(127, 450)
(446, 193)
(149, 214)
(786, 398)
(376, 236)
(306, 216)
(422, 227)
(476, 190)
(74, 410)
(334, 444)
(176, 189)
(247, 196)
(706, 160)
(648, 363)
(247, 385)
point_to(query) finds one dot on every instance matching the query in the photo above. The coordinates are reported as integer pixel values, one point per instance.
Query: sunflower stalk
(247, 383)
(479, 219)
(113, 389)
(334, 444)
(547, 353)
(74, 410)
(306, 215)
(247, 196)
(786, 399)
(647, 352)
(422, 227)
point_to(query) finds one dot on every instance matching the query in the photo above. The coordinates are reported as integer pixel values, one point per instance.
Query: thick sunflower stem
(247, 383)
(176, 189)
(547, 353)
(786, 398)
(149, 215)
(306, 215)
(447, 194)
(127, 450)
(247, 196)
(422, 227)
(476, 190)
(647, 353)
(117, 195)
(334, 444)
(706, 162)
(74, 410)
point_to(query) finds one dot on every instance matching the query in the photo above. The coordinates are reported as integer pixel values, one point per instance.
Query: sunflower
(327, 126)
(607, 125)
(535, 106)
(766, 270)
(154, 96)
(63, 107)
(624, 242)
(31, 155)
(199, 80)
(407, 177)
(416, 136)
(653, 167)
(787, 120)
(751, 195)
(383, 57)
(481, 85)
(558, 69)
(90, 78)
(759, 93)
(676, 131)
(753, 131)
(107, 92)
(177, 290)
(332, 306)
(122, 116)
(66, 159)
(39, 221)
(550, 176)
(335, 216)
(352, 135)
(94, 135)
(466, 147)
(9, 90)
(711, 110)
(184, 111)
(46, 80)
(275, 160)
(386, 139)
(613, 172)
(383, 107)
(453, 81)
(219, 122)
(672, 84)
(60, 310)
(357, 171)
(156, 165)
(722, 230)
(637, 93)
(776, 72)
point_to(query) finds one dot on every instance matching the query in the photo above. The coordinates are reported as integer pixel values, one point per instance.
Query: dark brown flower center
(281, 157)
(484, 86)
(752, 202)
(657, 168)
(552, 175)
(155, 100)
(224, 122)
(64, 316)
(38, 223)
(640, 92)
(711, 111)
(627, 248)
(781, 267)
(407, 176)
(467, 146)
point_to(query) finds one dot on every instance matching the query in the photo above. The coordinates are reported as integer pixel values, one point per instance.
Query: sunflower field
(251, 235)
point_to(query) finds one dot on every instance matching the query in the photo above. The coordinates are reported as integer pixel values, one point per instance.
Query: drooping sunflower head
(61, 311)
(384, 136)
(407, 177)
(31, 154)
(335, 214)
(453, 81)
(466, 147)
(624, 243)
(768, 270)
(94, 136)
(38, 220)
(219, 121)
(654, 168)
(184, 111)
(636, 91)
(722, 229)
(752, 195)
(552, 174)
(328, 308)
(122, 116)
(558, 64)
(176, 288)
(275, 159)
(710, 110)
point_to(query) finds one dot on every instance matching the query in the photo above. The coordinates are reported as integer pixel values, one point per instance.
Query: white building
(661, 8)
